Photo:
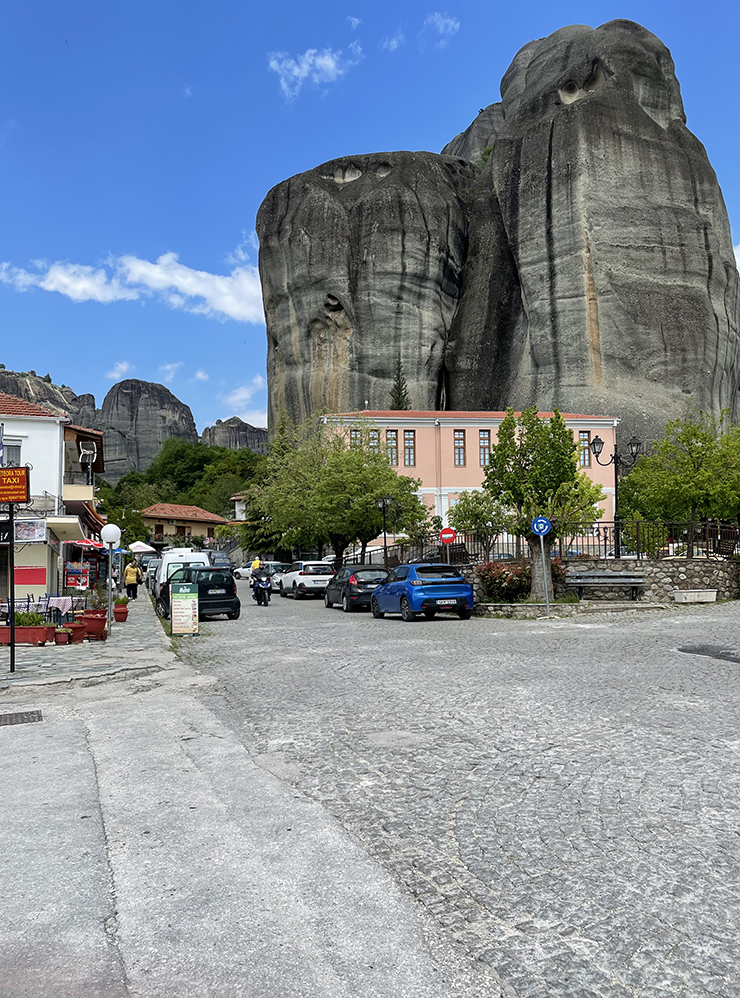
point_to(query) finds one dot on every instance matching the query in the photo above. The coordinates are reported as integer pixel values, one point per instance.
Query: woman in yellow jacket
(131, 578)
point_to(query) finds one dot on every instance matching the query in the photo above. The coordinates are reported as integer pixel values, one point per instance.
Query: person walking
(131, 578)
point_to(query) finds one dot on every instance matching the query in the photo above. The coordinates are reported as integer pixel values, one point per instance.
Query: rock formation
(586, 265)
(235, 434)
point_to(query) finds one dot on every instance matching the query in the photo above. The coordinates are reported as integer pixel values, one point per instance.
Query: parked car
(216, 591)
(273, 568)
(220, 559)
(151, 572)
(429, 589)
(174, 559)
(353, 585)
(305, 578)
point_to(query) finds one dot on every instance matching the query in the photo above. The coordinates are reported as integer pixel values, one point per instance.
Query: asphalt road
(560, 798)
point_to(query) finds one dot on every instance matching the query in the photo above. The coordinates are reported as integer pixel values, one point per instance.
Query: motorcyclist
(259, 572)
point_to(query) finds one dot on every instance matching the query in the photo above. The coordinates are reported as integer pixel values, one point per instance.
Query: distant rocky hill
(136, 418)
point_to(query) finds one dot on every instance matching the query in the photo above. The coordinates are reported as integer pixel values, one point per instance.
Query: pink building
(448, 451)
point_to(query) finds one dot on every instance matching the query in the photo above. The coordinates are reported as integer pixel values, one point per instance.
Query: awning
(67, 528)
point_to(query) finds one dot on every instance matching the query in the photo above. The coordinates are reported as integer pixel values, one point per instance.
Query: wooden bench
(606, 580)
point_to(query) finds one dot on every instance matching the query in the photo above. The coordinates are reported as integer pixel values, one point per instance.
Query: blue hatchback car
(428, 589)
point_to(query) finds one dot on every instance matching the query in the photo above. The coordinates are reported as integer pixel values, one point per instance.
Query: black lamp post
(383, 505)
(619, 461)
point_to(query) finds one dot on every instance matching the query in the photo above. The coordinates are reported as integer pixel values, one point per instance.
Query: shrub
(29, 619)
(121, 600)
(511, 581)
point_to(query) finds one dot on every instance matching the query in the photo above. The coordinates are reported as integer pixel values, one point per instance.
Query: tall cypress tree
(400, 392)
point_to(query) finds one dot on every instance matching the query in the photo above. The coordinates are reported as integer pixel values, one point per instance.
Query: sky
(138, 140)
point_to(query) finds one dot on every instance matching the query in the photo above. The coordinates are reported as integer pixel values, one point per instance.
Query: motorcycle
(261, 589)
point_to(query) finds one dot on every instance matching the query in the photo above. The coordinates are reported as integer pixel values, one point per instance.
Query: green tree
(482, 514)
(400, 392)
(693, 472)
(533, 470)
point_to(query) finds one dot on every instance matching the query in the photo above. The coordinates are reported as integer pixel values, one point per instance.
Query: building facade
(63, 460)
(449, 450)
(168, 522)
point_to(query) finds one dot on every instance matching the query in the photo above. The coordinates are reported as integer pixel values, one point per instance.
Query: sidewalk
(134, 648)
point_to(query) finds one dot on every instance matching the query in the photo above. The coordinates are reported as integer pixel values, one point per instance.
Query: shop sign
(15, 485)
(30, 531)
(184, 600)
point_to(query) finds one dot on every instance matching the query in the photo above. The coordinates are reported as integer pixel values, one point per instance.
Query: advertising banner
(30, 531)
(15, 485)
(184, 600)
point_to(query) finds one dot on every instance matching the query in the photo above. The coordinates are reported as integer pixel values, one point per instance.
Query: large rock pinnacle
(587, 265)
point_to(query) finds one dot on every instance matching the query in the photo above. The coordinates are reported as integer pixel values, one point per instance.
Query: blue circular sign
(541, 526)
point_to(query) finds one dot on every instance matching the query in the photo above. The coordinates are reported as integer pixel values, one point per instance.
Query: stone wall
(663, 576)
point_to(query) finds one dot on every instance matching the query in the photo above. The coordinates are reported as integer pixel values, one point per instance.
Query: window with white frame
(584, 448)
(484, 446)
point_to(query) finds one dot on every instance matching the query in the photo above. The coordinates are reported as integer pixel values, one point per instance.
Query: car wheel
(376, 609)
(295, 591)
(234, 615)
(346, 605)
(283, 593)
(465, 614)
(327, 602)
(407, 613)
(161, 609)
(237, 575)
(430, 614)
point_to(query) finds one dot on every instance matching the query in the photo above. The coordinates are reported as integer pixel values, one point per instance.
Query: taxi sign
(15, 485)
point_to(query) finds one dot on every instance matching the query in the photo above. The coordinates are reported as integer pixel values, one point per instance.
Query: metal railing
(638, 540)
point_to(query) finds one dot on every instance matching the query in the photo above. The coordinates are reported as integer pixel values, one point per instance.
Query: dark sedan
(354, 585)
(216, 591)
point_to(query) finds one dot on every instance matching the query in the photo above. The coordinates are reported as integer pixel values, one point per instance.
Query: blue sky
(137, 142)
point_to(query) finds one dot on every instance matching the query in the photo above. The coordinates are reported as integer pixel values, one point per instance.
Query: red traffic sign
(447, 535)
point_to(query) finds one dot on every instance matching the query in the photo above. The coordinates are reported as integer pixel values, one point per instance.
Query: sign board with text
(184, 608)
(15, 485)
(447, 535)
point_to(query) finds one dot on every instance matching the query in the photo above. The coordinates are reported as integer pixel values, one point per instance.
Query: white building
(63, 460)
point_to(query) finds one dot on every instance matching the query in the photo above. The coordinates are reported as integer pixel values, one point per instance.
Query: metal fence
(629, 539)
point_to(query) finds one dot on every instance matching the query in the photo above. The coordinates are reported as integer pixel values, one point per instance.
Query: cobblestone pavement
(562, 797)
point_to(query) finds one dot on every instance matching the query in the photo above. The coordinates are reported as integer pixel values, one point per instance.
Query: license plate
(372, 585)
(216, 592)
(446, 602)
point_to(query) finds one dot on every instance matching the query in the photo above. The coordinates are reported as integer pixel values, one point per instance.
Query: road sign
(541, 526)
(14, 485)
(447, 535)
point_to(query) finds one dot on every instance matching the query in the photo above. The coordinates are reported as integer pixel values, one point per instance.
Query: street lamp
(383, 504)
(619, 461)
(110, 535)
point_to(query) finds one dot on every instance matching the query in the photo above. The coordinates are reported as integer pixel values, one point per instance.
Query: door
(397, 589)
(336, 584)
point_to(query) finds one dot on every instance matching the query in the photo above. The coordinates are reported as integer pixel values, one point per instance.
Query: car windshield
(370, 574)
(318, 569)
(177, 565)
(278, 567)
(213, 577)
(439, 572)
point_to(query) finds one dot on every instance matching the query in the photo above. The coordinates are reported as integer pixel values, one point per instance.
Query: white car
(306, 578)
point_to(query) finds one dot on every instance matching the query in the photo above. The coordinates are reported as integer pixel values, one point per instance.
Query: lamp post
(383, 505)
(110, 535)
(619, 461)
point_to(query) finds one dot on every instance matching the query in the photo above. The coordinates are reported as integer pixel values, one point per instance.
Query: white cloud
(313, 66)
(256, 417)
(234, 296)
(241, 396)
(391, 44)
(444, 25)
(354, 22)
(201, 376)
(118, 370)
(188, 91)
(240, 254)
(170, 370)
(737, 255)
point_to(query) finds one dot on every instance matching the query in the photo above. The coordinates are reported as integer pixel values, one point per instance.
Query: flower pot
(120, 613)
(94, 624)
(78, 633)
(50, 632)
(61, 638)
(695, 595)
(4, 635)
(30, 635)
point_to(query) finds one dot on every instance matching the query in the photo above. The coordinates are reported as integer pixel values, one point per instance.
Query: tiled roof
(453, 414)
(172, 511)
(12, 406)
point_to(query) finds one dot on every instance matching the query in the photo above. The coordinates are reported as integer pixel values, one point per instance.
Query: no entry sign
(14, 485)
(447, 535)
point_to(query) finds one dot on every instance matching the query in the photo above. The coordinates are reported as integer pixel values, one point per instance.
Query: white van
(177, 558)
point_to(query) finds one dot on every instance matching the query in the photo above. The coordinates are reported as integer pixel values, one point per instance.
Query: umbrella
(121, 551)
(139, 547)
(88, 544)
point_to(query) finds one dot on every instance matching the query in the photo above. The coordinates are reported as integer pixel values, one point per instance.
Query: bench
(606, 580)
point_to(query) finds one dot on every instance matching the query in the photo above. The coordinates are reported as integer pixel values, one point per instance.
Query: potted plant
(95, 624)
(120, 609)
(77, 632)
(62, 635)
(30, 629)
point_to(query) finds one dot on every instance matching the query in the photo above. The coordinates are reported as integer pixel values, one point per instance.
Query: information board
(14, 485)
(184, 606)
